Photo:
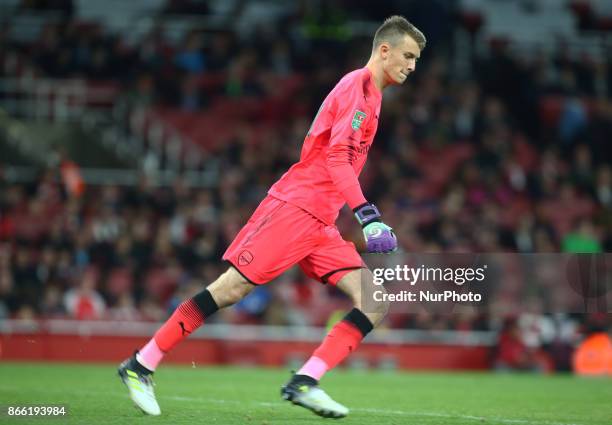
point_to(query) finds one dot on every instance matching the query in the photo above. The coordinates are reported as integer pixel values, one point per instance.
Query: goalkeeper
(295, 224)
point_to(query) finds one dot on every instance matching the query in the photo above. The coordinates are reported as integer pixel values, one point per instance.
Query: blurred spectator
(583, 239)
(513, 354)
(191, 57)
(124, 310)
(83, 302)
(52, 304)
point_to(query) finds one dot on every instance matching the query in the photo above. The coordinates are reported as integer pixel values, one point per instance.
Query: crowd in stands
(513, 157)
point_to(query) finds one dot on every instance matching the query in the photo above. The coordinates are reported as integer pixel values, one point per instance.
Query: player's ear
(383, 49)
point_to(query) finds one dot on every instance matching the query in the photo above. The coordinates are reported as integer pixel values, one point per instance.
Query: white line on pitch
(386, 412)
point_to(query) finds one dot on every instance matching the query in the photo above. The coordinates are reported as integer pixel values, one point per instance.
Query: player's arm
(346, 134)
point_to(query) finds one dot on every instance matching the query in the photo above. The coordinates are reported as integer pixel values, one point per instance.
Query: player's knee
(229, 288)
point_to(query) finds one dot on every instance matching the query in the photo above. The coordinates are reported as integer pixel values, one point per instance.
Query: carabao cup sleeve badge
(358, 118)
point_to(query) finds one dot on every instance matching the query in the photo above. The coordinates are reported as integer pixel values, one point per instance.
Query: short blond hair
(396, 27)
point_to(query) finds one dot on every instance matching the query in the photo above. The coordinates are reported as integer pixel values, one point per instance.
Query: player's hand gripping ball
(378, 236)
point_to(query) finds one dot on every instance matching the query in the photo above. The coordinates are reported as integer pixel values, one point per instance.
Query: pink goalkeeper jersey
(335, 150)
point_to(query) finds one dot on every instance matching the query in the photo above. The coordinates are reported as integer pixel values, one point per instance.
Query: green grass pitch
(219, 395)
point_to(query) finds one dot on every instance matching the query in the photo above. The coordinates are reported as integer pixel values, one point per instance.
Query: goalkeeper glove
(379, 237)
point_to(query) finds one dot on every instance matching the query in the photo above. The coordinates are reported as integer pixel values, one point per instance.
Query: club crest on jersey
(358, 118)
(245, 258)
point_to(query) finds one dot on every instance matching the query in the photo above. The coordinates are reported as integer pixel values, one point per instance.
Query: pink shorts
(279, 235)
